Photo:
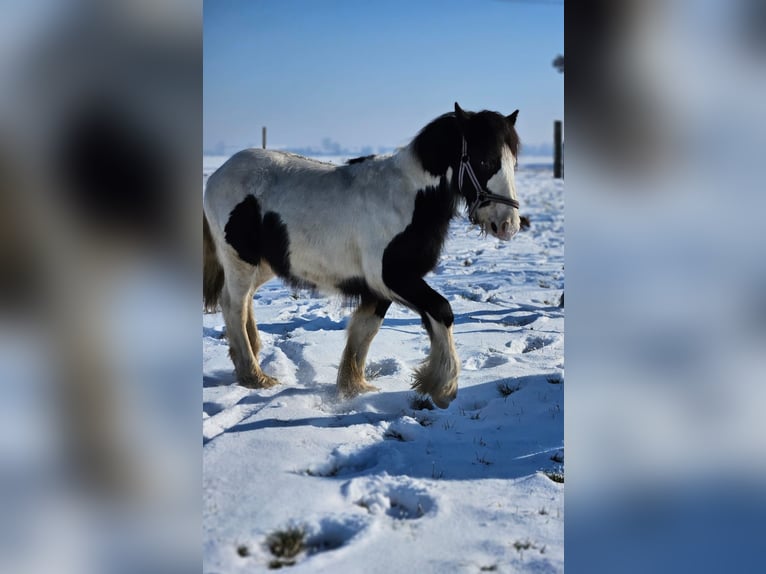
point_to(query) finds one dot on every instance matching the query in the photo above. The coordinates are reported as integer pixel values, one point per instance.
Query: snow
(379, 483)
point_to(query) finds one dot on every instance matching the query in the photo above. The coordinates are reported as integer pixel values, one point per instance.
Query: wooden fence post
(558, 150)
(263, 137)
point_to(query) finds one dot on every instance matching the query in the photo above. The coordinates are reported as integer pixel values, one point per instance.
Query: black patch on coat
(357, 288)
(276, 245)
(415, 251)
(354, 160)
(382, 307)
(243, 230)
(254, 238)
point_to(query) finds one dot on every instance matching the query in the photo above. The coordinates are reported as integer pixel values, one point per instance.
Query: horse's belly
(326, 269)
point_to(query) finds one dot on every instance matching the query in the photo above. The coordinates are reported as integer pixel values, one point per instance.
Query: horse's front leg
(438, 375)
(362, 328)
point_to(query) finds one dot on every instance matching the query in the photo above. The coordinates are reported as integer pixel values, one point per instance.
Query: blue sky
(364, 73)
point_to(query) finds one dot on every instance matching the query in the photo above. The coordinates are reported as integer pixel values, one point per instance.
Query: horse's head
(484, 171)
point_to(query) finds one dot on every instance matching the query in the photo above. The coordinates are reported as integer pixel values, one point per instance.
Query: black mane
(354, 160)
(437, 146)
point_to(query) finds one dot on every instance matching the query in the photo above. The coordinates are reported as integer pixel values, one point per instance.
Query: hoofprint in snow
(378, 483)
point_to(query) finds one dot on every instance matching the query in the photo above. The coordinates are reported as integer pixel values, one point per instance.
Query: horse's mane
(354, 160)
(437, 145)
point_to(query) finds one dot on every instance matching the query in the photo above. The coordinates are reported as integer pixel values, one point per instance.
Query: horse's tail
(212, 271)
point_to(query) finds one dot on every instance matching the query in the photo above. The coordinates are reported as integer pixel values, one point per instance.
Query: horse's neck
(437, 146)
(408, 163)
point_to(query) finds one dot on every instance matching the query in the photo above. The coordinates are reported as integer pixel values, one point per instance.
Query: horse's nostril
(494, 227)
(506, 225)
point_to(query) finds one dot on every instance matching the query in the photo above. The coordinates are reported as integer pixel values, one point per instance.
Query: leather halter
(482, 195)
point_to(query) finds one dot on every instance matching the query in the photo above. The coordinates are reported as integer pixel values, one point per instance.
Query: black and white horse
(370, 230)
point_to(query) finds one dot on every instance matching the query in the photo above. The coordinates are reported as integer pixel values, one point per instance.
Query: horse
(369, 230)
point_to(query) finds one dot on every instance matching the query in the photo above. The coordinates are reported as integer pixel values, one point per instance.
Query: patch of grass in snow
(285, 545)
(243, 551)
(507, 388)
(555, 380)
(555, 475)
(482, 460)
(474, 417)
(491, 568)
(519, 545)
(522, 545)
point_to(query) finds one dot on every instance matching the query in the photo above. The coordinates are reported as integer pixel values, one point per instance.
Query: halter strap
(482, 195)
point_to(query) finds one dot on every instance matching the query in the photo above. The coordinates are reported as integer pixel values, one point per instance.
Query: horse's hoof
(261, 381)
(267, 382)
(357, 389)
(442, 401)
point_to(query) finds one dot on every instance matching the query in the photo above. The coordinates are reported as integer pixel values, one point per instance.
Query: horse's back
(254, 172)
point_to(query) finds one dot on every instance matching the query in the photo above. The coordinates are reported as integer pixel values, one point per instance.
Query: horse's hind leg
(252, 329)
(262, 274)
(362, 328)
(236, 303)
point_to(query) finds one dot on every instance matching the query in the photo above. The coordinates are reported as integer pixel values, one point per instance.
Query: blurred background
(101, 142)
(666, 285)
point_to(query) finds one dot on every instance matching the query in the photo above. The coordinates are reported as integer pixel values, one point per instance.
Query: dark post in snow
(558, 155)
(263, 137)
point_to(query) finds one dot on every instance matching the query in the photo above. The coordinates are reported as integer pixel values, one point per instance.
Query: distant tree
(558, 63)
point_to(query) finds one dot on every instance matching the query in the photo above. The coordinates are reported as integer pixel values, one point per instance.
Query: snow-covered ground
(379, 483)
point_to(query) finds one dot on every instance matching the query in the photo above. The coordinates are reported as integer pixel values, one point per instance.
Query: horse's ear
(461, 116)
(512, 118)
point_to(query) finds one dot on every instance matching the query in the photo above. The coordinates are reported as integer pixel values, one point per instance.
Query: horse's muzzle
(505, 230)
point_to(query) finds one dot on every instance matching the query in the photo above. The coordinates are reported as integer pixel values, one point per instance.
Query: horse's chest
(415, 251)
